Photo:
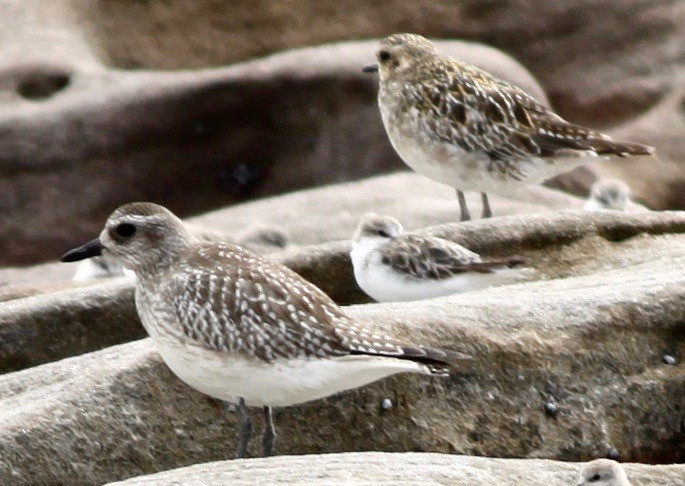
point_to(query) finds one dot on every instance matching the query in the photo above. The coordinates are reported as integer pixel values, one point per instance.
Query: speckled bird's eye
(125, 230)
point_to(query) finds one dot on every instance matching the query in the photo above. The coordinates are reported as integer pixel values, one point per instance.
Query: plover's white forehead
(141, 209)
(147, 216)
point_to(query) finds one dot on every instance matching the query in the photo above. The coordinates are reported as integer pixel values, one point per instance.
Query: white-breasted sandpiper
(603, 472)
(390, 265)
(611, 194)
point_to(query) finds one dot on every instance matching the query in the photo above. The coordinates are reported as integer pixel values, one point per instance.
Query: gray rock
(589, 334)
(631, 58)
(396, 469)
(31, 336)
(190, 140)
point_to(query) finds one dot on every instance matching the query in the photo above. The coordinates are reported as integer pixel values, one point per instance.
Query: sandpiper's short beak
(90, 249)
(371, 68)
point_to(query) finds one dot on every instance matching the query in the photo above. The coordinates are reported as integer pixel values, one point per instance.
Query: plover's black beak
(90, 249)
(371, 68)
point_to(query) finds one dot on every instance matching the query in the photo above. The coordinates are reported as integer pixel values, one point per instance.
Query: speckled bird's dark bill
(90, 249)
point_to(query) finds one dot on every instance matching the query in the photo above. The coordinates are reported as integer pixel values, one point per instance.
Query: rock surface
(72, 124)
(587, 334)
(583, 357)
(190, 140)
(397, 469)
(28, 328)
(629, 59)
(332, 213)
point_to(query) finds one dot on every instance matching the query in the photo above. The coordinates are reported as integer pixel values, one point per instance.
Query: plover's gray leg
(269, 432)
(487, 212)
(245, 429)
(465, 215)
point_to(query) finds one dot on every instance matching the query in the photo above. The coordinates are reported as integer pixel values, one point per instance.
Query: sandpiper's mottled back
(240, 327)
(463, 127)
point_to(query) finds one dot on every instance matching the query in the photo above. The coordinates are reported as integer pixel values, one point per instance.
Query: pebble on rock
(551, 409)
(670, 360)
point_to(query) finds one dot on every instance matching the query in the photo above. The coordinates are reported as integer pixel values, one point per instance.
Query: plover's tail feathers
(606, 146)
(437, 361)
(360, 341)
(555, 136)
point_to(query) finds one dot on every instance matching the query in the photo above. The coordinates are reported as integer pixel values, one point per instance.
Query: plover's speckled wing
(430, 258)
(465, 105)
(230, 300)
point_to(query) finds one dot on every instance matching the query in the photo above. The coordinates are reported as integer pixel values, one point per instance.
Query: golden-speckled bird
(460, 125)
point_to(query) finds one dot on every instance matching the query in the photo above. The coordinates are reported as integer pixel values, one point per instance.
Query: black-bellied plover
(461, 126)
(392, 266)
(242, 328)
(611, 194)
(603, 472)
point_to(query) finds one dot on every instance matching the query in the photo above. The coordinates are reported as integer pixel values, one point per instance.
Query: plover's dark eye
(384, 55)
(383, 234)
(595, 477)
(125, 230)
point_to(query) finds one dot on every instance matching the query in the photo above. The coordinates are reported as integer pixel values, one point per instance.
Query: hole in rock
(618, 234)
(39, 84)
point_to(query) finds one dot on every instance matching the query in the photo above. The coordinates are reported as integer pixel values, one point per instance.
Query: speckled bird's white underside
(450, 164)
(277, 384)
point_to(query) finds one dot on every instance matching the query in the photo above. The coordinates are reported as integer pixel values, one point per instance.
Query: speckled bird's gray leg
(487, 212)
(269, 432)
(465, 216)
(245, 429)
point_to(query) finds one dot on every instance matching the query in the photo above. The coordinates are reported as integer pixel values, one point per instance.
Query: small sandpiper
(100, 267)
(462, 126)
(603, 472)
(391, 266)
(242, 328)
(611, 194)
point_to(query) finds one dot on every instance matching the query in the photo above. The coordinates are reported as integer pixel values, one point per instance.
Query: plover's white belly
(384, 284)
(450, 164)
(229, 376)
(278, 384)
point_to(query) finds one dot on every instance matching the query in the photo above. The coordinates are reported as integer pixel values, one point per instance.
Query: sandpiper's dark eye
(595, 477)
(383, 234)
(384, 55)
(125, 230)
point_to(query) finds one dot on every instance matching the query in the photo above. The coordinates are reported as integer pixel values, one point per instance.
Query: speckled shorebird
(242, 328)
(390, 265)
(611, 194)
(603, 472)
(462, 126)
